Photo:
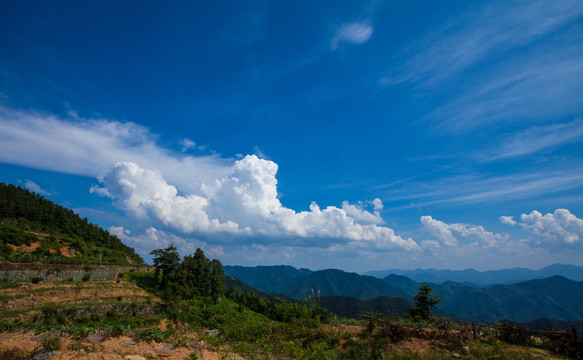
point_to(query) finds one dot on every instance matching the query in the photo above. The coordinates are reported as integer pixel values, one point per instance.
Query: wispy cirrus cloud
(187, 144)
(352, 33)
(535, 139)
(466, 40)
(509, 61)
(476, 188)
(533, 89)
(32, 186)
(90, 147)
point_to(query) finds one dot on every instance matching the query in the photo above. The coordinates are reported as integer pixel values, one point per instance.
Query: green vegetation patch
(24, 215)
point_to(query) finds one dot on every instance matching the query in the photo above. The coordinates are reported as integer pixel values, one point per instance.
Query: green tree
(218, 286)
(424, 302)
(167, 262)
(197, 269)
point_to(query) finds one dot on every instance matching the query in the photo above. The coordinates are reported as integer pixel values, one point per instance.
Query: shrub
(156, 335)
(118, 330)
(354, 349)
(86, 277)
(49, 311)
(52, 343)
(13, 354)
(183, 341)
(71, 311)
(81, 331)
(36, 279)
(513, 335)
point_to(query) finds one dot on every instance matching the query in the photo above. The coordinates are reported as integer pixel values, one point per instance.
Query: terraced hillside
(24, 299)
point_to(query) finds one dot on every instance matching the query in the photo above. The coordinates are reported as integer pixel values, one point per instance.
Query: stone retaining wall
(56, 272)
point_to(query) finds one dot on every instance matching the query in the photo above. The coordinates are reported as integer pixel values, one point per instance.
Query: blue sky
(351, 135)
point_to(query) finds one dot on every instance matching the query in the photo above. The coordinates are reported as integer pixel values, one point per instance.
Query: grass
(6, 284)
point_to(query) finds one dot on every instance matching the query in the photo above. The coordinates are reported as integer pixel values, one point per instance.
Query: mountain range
(303, 283)
(484, 278)
(555, 297)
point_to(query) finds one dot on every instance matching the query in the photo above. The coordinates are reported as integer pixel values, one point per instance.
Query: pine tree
(218, 286)
(424, 303)
(167, 262)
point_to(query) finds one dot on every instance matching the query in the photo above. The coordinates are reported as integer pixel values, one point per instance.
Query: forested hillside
(353, 308)
(338, 282)
(555, 297)
(303, 283)
(34, 229)
(269, 279)
(343, 306)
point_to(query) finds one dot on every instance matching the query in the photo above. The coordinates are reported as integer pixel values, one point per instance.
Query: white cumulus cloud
(560, 226)
(450, 234)
(430, 244)
(507, 220)
(354, 33)
(152, 238)
(244, 204)
(439, 230)
(146, 194)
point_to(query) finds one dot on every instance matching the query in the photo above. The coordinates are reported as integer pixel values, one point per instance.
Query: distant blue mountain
(553, 297)
(486, 278)
(269, 279)
(303, 283)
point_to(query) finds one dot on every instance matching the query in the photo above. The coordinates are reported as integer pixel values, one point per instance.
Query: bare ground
(122, 347)
(127, 348)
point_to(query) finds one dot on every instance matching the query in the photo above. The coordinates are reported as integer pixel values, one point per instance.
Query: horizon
(405, 269)
(375, 135)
